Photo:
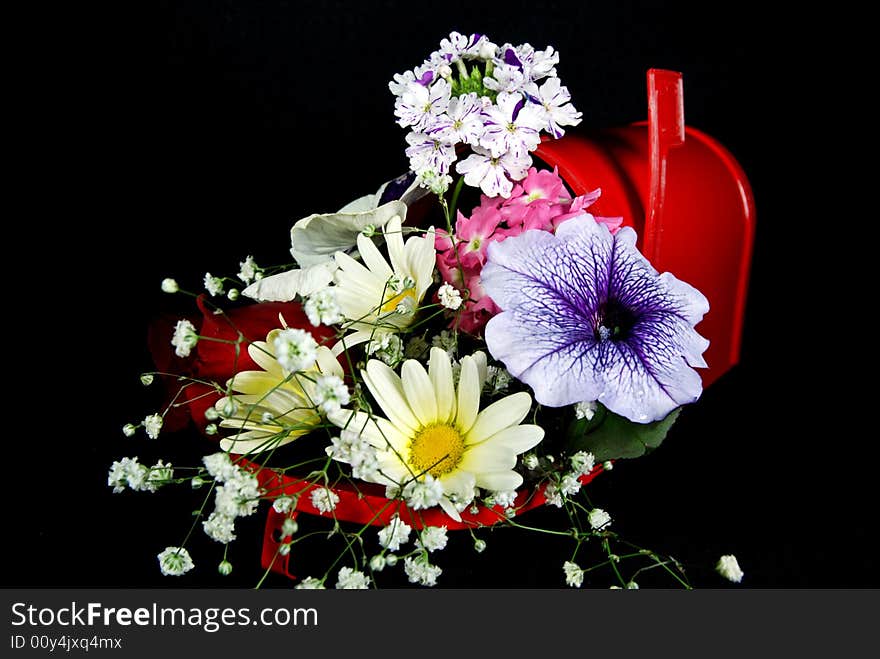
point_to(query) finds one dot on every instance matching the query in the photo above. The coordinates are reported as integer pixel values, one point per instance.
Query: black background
(179, 137)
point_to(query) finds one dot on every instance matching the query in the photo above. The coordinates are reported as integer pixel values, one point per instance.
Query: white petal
(387, 389)
(380, 432)
(253, 442)
(487, 457)
(285, 286)
(468, 395)
(440, 370)
(317, 237)
(394, 241)
(419, 392)
(328, 363)
(509, 411)
(450, 509)
(499, 481)
(373, 258)
(518, 439)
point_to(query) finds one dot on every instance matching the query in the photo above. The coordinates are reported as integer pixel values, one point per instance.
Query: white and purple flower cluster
(496, 101)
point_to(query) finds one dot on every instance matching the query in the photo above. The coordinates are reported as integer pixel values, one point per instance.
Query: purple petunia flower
(585, 317)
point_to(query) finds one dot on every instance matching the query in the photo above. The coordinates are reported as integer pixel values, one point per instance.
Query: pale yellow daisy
(431, 427)
(272, 407)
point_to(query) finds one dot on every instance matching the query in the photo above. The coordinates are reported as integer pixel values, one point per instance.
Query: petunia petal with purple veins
(586, 317)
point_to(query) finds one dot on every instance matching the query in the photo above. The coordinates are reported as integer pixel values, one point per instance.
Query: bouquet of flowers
(444, 355)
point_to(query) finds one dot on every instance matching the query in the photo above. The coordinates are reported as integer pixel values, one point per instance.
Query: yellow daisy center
(392, 303)
(436, 450)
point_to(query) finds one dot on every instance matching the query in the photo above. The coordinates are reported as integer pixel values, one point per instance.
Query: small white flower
(330, 393)
(582, 462)
(160, 474)
(574, 575)
(185, 338)
(219, 466)
(504, 499)
(324, 499)
(505, 78)
(289, 527)
(447, 341)
(395, 534)
(239, 496)
(598, 518)
(353, 449)
(322, 308)
(569, 485)
(436, 182)
(497, 379)
(377, 563)
(248, 270)
(310, 583)
(175, 561)
(728, 567)
(169, 286)
(214, 285)
(153, 425)
(349, 579)
(211, 414)
(129, 429)
(388, 348)
(530, 461)
(219, 527)
(423, 494)
(121, 473)
(554, 496)
(432, 538)
(585, 410)
(295, 350)
(390, 560)
(420, 571)
(450, 297)
(283, 504)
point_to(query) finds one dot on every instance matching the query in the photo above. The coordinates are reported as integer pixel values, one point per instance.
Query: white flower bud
(225, 568)
(169, 286)
(129, 429)
(479, 546)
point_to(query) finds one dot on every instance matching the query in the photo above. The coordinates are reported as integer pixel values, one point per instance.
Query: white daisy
(433, 428)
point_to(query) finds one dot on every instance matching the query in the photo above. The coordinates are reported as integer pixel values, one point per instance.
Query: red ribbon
(366, 504)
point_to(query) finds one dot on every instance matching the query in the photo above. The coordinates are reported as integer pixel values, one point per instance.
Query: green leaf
(609, 436)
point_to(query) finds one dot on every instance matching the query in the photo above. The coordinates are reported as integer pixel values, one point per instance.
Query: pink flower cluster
(540, 201)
